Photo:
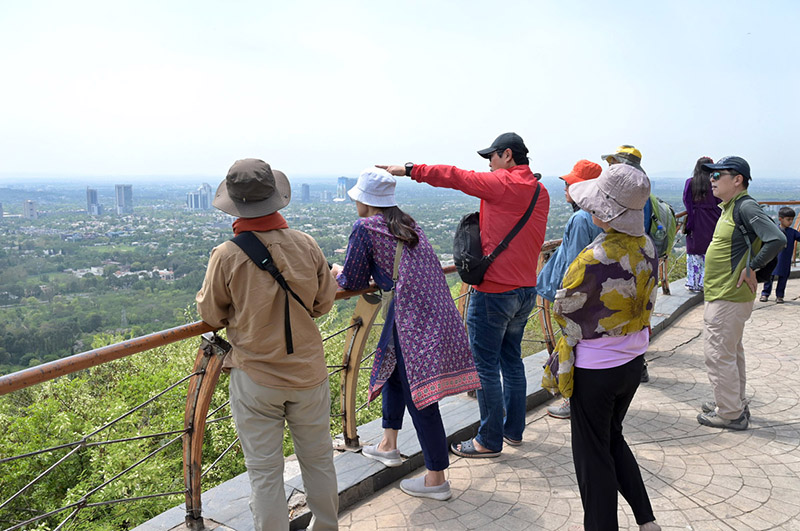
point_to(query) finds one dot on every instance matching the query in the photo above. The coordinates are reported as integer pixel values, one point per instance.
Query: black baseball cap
(505, 141)
(737, 164)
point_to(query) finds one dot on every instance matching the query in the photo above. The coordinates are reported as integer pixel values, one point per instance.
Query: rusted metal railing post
(207, 366)
(463, 301)
(363, 316)
(546, 321)
(663, 274)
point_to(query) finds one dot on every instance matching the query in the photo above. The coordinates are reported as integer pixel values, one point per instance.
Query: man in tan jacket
(277, 365)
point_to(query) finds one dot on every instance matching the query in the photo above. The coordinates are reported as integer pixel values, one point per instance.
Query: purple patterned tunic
(429, 328)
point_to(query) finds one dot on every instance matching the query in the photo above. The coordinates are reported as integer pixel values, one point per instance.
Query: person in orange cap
(579, 232)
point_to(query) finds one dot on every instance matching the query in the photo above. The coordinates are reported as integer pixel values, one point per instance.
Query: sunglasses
(717, 175)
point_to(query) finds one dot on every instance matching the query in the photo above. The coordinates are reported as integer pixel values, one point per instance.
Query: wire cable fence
(70, 469)
(19, 504)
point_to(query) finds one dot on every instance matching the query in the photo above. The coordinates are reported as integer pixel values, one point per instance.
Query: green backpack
(663, 226)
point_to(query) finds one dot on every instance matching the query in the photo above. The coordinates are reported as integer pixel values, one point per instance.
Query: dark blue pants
(603, 462)
(780, 289)
(396, 395)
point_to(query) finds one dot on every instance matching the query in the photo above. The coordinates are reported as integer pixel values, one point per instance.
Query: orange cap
(584, 170)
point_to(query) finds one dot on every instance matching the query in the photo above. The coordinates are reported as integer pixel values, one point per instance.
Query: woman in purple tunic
(702, 214)
(423, 353)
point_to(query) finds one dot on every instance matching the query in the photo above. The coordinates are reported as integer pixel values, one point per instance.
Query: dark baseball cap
(505, 141)
(738, 164)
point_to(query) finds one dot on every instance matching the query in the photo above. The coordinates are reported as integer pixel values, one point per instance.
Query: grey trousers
(724, 325)
(260, 413)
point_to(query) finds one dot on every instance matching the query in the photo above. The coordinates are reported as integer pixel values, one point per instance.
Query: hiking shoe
(645, 374)
(779, 300)
(763, 298)
(390, 458)
(711, 406)
(560, 411)
(715, 421)
(416, 487)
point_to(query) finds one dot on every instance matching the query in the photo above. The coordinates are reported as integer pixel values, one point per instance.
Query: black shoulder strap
(741, 223)
(518, 227)
(258, 253)
(747, 230)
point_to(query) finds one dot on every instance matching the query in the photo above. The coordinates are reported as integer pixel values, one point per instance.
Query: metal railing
(202, 382)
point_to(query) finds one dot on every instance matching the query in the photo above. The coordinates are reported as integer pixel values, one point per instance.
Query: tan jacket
(236, 294)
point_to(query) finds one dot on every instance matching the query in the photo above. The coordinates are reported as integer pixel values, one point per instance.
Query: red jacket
(505, 196)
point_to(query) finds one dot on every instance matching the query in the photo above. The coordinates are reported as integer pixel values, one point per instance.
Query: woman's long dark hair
(401, 225)
(701, 184)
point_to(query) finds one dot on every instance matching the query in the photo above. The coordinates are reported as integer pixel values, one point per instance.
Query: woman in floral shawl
(604, 310)
(423, 353)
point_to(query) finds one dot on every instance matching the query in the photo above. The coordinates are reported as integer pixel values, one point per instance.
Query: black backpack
(467, 250)
(765, 273)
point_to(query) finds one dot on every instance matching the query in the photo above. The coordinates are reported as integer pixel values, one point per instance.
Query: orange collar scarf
(264, 223)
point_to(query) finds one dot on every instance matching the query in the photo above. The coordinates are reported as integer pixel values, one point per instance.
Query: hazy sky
(170, 87)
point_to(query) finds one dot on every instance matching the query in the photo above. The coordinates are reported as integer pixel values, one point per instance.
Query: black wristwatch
(409, 167)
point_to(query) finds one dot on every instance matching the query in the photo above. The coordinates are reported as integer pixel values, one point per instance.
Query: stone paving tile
(698, 478)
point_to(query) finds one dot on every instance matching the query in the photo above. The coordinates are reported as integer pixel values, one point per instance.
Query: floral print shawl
(608, 291)
(429, 329)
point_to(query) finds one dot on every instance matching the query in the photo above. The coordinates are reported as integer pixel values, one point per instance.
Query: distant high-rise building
(93, 208)
(123, 198)
(305, 193)
(341, 188)
(193, 200)
(200, 199)
(91, 197)
(206, 196)
(350, 184)
(327, 195)
(1, 212)
(29, 210)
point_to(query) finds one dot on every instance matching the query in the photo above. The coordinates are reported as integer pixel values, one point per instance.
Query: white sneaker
(561, 411)
(390, 458)
(416, 487)
(650, 526)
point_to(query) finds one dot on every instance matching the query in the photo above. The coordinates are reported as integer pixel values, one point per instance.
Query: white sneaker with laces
(561, 411)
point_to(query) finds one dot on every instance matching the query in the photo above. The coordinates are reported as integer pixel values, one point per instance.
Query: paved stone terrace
(699, 478)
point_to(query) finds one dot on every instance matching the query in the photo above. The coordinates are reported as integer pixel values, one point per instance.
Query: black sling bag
(468, 256)
(258, 253)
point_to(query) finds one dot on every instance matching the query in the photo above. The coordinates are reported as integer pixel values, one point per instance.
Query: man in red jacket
(499, 307)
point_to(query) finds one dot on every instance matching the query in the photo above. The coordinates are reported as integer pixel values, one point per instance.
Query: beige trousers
(724, 353)
(260, 413)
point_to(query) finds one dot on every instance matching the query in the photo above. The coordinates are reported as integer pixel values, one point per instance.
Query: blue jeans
(780, 290)
(496, 322)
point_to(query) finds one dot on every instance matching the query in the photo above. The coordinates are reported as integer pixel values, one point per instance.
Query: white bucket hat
(375, 187)
(617, 197)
